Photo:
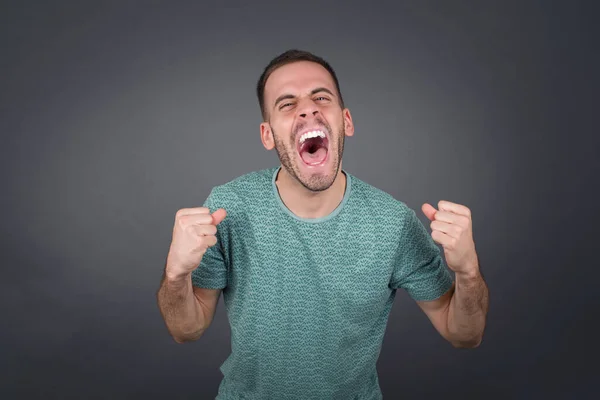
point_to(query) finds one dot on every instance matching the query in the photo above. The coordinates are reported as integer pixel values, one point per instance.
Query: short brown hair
(288, 57)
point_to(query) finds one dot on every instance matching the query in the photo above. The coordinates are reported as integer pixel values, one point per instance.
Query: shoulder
(241, 191)
(378, 202)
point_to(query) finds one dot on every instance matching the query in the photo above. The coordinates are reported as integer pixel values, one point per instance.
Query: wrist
(469, 271)
(176, 277)
(468, 274)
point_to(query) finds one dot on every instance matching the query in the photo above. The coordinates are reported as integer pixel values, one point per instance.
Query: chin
(318, 180)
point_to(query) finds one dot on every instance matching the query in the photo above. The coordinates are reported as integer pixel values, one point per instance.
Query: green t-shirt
(308, 299)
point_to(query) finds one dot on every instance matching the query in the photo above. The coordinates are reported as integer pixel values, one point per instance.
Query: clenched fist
(193, 233)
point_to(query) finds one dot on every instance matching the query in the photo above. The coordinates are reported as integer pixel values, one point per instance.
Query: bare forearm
(468, 310)
(180, 309)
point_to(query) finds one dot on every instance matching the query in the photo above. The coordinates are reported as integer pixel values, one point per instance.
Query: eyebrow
(291, 96)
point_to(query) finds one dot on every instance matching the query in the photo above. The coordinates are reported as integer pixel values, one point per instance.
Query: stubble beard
(314, 182)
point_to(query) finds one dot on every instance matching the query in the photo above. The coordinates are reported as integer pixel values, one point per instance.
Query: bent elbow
(182, 339)
(467, 344)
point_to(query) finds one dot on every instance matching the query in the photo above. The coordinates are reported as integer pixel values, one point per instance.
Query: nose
(307, 108)
(305, 114)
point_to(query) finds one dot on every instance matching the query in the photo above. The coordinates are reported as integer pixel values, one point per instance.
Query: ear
(266, 136)
(348, 124)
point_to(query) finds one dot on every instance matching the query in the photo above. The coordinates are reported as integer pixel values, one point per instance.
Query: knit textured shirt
(308, 299)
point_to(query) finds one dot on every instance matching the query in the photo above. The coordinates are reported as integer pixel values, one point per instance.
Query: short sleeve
(212, 271)
(419, 267)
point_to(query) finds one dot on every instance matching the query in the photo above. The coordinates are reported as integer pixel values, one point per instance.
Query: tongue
(314, 158)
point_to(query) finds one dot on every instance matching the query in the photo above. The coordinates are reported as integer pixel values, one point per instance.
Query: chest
(338, 266)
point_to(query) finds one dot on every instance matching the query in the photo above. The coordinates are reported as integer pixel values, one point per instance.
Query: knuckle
(180, 213)
(184, 220)
(201, 241)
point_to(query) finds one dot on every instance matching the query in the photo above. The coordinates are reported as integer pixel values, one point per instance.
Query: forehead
(297, 78)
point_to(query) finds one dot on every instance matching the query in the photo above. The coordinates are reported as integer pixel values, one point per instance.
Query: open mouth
(313, 147)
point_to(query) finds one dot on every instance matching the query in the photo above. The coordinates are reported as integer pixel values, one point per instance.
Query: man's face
(306, 124)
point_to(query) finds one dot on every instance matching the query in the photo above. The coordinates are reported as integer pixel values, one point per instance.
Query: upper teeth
(311, 134)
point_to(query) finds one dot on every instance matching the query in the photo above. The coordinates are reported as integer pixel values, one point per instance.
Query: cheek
(282, 127)
(282, 137)
(335, 119)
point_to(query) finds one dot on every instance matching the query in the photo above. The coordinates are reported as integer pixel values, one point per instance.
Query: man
(309, 257)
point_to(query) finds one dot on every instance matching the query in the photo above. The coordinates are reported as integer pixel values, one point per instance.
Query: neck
(308, 204)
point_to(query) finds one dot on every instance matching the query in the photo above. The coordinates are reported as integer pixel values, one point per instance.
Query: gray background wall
(116, 114)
